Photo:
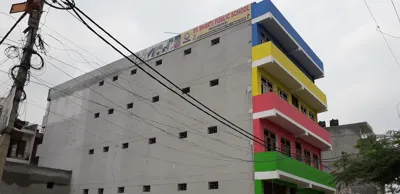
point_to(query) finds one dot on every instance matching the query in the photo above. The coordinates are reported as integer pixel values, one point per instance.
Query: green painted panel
(258, 187)
(271, 161)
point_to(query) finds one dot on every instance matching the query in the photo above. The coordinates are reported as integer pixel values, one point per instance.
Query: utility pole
(34, 8)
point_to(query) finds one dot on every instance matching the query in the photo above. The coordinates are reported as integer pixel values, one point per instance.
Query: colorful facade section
(271, 166)
(273, 108)
(286, 102)
(266, 16)
(273, 61)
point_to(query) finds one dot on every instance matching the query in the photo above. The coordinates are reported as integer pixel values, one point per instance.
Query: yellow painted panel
(260, 51)
(269, 49)
(255, 81)
(256, 85)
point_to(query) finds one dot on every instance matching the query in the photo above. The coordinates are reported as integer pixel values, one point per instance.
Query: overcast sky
(361, 76)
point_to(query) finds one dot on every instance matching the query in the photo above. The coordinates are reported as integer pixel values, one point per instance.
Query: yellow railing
(269, 49)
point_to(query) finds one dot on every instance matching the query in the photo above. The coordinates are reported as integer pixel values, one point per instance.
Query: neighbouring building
(23, 143)
(344, 139)
(20, 178)
(21, 174)
(119, 131)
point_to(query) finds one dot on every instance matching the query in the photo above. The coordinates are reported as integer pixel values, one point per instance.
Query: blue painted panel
(263, 7)
(255, 35)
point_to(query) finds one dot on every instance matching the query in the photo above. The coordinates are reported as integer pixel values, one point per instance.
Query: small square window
(105, 149)
(85, 191)
(187, 51)
(101, 83)
(213, 185)
(91, 151)
(125, 145)
(97, 115)
(311, 115)
(133, 71)
(146, 188)
(158, 62)
(100, 191)
(182, 187)
(156, 98)
(129, 106)
(215, 41)
(214, 82)
(212, 129)
(50, 185)
(121, 189)
(115, 78)
(110, 111)
(295, 102)
(282, 94)
(303, 109)
(183, 135)
(152, 140)
(186, 90)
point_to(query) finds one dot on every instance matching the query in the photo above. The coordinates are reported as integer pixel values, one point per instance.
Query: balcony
(274, 165)
(272, 60)
(24, 158)
(270, 106)
(266, 14)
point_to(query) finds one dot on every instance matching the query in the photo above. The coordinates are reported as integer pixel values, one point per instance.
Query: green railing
(273, 161)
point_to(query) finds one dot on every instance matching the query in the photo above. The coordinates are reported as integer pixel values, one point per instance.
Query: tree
(377, 162)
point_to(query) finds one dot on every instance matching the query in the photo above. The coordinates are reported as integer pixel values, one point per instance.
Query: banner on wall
(214, 26)
(217, 25)
(159, 49)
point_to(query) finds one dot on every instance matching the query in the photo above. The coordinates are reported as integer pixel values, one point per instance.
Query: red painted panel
(258, 130)
(259, 133)
(270, 101)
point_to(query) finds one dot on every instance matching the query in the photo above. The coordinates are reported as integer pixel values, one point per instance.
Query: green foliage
(377, 162)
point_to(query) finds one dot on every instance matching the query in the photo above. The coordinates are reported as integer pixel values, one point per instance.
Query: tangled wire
(65, 5)
(13, 52)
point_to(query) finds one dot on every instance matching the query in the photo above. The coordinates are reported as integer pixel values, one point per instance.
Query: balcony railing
(275, 62)
(275, 165)
(272, 107)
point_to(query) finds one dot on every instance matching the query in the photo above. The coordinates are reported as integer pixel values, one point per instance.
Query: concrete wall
(196, 160)
(33, 188)
(344, 138)
(27, 179)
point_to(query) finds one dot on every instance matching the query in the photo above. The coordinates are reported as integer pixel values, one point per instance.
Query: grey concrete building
(112, 152)
(344, 138)
(119, 131)
(19, 178)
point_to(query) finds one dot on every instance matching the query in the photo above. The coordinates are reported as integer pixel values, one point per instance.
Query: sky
(361, 74)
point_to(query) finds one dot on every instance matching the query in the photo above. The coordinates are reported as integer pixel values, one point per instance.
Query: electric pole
(34, 8)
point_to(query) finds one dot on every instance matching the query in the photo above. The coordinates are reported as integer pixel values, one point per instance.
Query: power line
(146, 99)
(158, 80)
(20, 31)
(130, 91)
(173, 104)
(238, 129)
(132, 114)
(379, 29)
(395, 10)
(37, 105)
(12, 27)
(152, 121)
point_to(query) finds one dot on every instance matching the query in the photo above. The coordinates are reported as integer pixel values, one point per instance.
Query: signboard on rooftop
(219, 24)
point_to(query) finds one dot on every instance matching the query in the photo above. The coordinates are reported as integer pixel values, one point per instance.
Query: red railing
(270, 100)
